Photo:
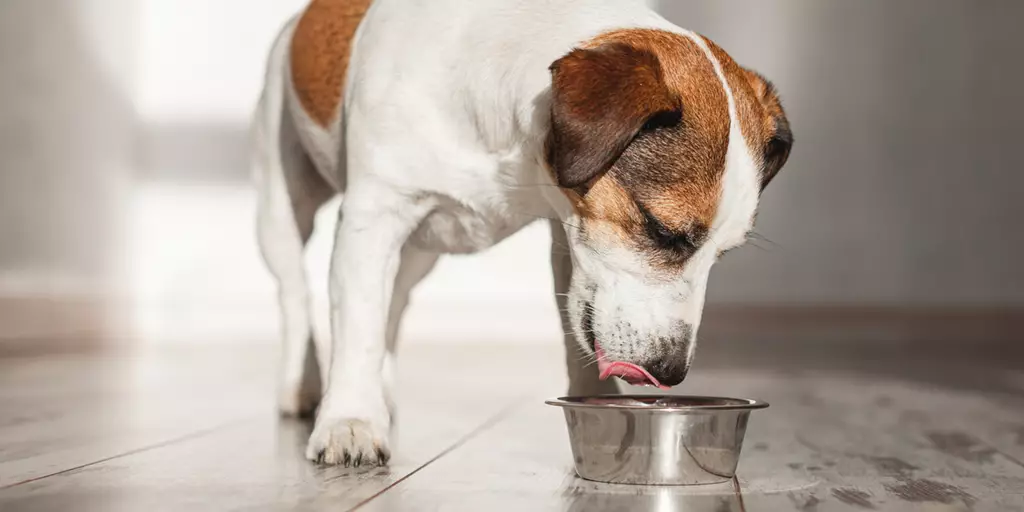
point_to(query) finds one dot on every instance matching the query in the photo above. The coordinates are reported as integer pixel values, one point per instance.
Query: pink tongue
(628, 372)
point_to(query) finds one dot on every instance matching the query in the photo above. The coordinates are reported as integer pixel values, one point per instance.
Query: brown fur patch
(320, 50)
(610, 209)
(602, 96)
(669, 172)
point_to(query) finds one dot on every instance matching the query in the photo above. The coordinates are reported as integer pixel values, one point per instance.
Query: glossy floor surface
(112, 426)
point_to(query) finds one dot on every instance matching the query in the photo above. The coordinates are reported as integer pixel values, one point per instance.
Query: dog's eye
(670, 239)
(684, 242)
(663, 119)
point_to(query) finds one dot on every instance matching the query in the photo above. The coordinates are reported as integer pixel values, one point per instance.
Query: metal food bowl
(656, 440)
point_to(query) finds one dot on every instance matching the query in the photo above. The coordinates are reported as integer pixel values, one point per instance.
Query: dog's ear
(601, 98)
(780, 143)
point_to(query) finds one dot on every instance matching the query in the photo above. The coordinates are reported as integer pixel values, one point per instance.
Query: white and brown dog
(448, 125)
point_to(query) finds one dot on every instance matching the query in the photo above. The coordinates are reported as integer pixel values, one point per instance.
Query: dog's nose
(670, 371)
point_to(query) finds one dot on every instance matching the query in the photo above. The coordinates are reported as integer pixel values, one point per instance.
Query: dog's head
(662, 145)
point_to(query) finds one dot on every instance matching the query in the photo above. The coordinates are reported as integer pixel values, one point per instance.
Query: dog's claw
(349, 442)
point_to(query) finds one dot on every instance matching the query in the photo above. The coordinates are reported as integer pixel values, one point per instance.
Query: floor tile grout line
(736, 488)
(487, 424)
(161, 444)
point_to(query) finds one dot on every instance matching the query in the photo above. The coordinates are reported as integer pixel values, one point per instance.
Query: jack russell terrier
(449, 125)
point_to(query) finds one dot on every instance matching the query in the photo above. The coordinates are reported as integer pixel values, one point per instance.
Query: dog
(447, 126)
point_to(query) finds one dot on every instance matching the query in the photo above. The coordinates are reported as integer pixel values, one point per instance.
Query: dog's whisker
(530, 185)
(577, 333)
(758, 236)
(587, 357)
(755, 244)
(544, 217)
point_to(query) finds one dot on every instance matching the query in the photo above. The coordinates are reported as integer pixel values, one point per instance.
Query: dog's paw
(349, 441)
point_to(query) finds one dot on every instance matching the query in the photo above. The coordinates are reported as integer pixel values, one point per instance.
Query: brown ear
(780, 143)
(601, 98)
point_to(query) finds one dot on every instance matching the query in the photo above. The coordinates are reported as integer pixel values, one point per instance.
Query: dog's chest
(459, 228)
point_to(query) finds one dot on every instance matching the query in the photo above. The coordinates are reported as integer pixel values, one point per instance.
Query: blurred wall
(66, 139)
(123, 160)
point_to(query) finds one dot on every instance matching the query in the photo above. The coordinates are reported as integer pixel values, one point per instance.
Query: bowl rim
(744, 403)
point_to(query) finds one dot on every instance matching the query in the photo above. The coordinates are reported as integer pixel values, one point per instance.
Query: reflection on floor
(119, 427)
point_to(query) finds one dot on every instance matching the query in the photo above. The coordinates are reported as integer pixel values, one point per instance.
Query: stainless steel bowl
(656, 440)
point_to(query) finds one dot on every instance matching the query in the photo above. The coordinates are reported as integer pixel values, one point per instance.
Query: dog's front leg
(583, 375)
(353, 423)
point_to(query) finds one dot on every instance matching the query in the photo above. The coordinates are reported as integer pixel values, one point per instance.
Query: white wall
(203, 61)
(66, 139)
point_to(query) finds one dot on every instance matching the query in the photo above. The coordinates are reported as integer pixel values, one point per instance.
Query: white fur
(439, 150)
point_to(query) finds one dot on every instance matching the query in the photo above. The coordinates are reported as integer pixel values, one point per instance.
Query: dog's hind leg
(289, 193)
(414, 266)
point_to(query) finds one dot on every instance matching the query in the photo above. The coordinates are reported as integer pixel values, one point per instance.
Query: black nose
(672, 364)
(670, 371)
